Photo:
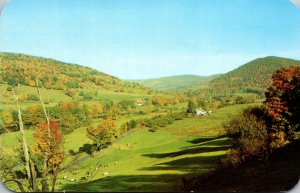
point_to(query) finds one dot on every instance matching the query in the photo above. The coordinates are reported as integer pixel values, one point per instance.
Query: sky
(138, 39)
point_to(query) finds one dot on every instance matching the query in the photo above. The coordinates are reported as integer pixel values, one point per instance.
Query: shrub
(153, 128)
(33, 97)
(250, 137)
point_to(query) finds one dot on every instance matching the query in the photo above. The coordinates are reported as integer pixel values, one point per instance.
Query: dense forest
(252, 77)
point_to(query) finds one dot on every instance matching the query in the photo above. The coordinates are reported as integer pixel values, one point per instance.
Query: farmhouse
(201, 112)
(138, 102)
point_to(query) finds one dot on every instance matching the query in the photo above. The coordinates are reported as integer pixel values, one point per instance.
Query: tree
(157, 101)
(29, 165)
(100, 135)
(216, 104)
(50, 145)
(250, 136)
(71, 92)
(191, 107)
(31, 83)
(7, 118)
(202, 103)
(170, 101)
(110, 125)
(282, 100)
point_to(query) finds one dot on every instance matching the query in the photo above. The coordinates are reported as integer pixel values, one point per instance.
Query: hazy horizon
(135, 40)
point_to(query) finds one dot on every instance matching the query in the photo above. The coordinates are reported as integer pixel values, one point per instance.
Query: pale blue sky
(134, 39)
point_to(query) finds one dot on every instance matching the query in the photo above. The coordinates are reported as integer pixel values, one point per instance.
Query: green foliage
(124, 104)
(181, 82)
(191, 109)
(250, 137)
(33, 97)
(100, 135)
(254, 77)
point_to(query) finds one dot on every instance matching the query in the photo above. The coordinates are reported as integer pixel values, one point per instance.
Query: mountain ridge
(254, 75)
(176, 82)
(19, 68)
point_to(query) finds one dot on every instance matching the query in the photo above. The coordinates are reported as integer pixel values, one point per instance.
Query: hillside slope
(177, 82)
(23, 69)
(252, 76)
(280, 173)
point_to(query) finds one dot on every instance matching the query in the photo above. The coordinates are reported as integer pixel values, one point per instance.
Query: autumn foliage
(50, 146)
(282, 99)
(259, 130)
(100, 135)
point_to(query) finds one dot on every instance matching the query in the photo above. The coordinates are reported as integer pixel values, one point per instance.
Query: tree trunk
(24, 145)
(54, 182)
(33, 173)
(45, 186)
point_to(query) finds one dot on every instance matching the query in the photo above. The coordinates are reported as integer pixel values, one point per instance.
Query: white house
(201, 112)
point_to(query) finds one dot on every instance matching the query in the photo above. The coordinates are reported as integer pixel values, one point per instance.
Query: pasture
(142, 160)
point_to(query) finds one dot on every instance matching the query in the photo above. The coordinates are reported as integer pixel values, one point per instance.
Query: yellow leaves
(7, 118)
(216, 104)
(31, 83)
(66, 105)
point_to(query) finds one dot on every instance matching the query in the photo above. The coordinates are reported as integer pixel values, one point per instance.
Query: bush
(33, 97)
(153, 128)
(250, 137)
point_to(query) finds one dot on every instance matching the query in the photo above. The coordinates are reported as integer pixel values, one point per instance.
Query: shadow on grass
(161, 181)
(87, 148)
(130, 183)
(280, 173)
(194, 150)
(208, 146)
(202, 139)
(197, 164)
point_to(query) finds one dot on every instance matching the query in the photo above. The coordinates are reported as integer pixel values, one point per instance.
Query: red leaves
(281, 97)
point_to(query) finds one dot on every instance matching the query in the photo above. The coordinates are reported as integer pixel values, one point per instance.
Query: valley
(147, 140)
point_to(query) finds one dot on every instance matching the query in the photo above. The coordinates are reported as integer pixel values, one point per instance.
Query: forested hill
(23, 69)
(177, 82)
(254, 76)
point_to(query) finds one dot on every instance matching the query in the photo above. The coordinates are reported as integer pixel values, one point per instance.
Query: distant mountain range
(254, 76)
(179, 82)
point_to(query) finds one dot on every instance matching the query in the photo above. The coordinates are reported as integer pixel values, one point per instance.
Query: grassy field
(146, 161)
(142, 160)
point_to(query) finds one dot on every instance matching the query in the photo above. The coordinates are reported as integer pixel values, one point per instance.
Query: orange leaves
(41, 135)
(31, 83)
(170, 101)
(66, 105)
(109, 124)
(93, 132)
(49, 143)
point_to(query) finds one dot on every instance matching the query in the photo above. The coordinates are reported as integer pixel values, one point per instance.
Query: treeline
(207, 100)
(70, 115)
